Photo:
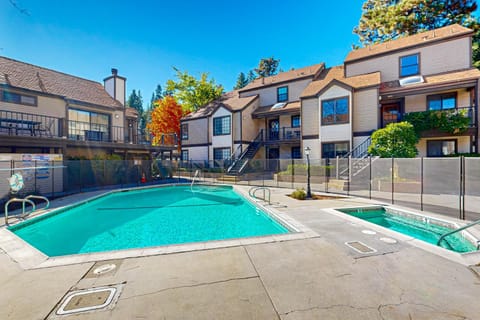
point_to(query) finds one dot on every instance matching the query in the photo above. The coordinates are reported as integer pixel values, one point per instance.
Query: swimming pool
(419, 227)
(148, 217)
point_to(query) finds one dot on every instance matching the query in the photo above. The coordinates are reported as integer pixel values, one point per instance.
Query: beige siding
(436, 58)
(268, 95)
(336, 132)
(250, 127)
(310, 117)
(463, 144)
(46, 106)
(419, 102)
(365, 110)
(236, 126)
(197, 132)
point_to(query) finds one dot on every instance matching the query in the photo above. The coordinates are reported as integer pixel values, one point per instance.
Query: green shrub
(299, 194)
(396, 140)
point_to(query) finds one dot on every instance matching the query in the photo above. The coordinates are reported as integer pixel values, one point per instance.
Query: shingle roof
(337, 73)
(454, 30)
(432, 80)
(309, 71)
(24, 75)
(131, 112)
(290, 107)
(230, 100)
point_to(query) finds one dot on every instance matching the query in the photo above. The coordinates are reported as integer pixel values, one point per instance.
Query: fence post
(349, 174)
(464, 185)
(370, 178)
(393, 179)
(53, 178)
(35, 177)
(336, 169)
(421, 183)
(293, 173)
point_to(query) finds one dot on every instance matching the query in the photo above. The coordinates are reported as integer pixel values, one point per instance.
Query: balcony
(283, 135)
(435, 123)
(29, 125)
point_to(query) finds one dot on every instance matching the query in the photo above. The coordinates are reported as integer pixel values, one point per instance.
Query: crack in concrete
(382, 306)
(187, 286)
(333, 306)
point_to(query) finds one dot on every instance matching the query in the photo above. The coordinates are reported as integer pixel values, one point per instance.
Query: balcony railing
(283, 134)
(453, 121)
(29, 124)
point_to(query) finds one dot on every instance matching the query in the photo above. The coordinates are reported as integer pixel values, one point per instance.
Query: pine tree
(267, 67)
(241, 81)
(251, 76)
(135, 101)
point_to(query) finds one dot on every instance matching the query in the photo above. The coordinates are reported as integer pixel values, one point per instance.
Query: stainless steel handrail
(23, 201)
(253, 190)
(40, 198)
(457, 230)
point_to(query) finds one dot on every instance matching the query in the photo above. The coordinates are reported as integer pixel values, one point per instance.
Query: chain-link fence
(448, 186)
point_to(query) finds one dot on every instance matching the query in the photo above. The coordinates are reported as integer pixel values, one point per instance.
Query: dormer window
(410, 65)
(282, 94)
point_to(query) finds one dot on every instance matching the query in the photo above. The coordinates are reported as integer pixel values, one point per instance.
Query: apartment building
(46, 111)
(334, 111)
(380, 84)
(265, 112)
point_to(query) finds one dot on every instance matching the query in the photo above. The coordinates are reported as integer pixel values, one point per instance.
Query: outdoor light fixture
(309, 191)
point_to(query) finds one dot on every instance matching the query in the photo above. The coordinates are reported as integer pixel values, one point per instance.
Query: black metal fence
(448, 186)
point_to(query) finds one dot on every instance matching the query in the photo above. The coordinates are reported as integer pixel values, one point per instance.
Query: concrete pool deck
(313, 278)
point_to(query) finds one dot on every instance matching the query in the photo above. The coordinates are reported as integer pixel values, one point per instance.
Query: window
(184, 155)
(282, 94)
(18, 98)
(87, 125)
(409, 65)
(221, 153)
(184, 131)
(296, 122)
(296, 153)
(440, 148)
(335, 111)
(332, 150)
(221, 126)
(442, 101)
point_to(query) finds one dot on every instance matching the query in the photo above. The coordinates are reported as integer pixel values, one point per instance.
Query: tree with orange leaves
(165, 119)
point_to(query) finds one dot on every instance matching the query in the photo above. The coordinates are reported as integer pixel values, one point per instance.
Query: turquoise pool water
(145, 218)
(418, 229)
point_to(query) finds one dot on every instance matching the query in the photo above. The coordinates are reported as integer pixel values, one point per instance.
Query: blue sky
(144, 39)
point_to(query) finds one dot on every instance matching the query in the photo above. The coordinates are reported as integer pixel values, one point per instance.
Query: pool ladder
(24, 201)
(266, 191)
(458, 230)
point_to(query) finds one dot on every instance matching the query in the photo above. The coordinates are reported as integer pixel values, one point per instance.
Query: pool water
(148, 217)
(416, 228)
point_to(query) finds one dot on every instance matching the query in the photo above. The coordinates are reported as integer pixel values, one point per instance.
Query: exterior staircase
(238, 165)
(359, 160)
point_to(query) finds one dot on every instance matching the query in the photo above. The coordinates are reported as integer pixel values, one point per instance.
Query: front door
(273, 154)
(390, 113)
(273, 129)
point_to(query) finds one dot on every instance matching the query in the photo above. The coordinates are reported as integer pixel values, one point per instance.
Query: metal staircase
(359, 160)
(238, 165)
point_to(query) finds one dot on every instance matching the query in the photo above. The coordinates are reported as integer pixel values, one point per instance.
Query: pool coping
(466, 259)
(28, 257)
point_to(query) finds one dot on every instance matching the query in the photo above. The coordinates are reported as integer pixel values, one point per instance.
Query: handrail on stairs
(258, 139)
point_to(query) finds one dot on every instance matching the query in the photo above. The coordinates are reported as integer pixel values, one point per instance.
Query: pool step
(228, 178)
(338, 184)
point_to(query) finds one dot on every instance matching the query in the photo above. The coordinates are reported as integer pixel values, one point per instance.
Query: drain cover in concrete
(368, 232)
(103, 268)
(94, 299)
(388, 240)
(360, 247)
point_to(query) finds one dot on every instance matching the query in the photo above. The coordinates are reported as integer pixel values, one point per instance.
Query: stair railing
(254, 144)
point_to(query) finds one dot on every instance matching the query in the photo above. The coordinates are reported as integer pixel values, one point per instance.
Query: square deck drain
(360, 247)
(88, 300)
